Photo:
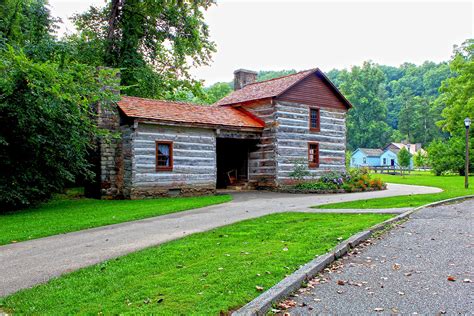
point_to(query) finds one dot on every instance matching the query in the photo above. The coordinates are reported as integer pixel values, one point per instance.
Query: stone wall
(111, 149)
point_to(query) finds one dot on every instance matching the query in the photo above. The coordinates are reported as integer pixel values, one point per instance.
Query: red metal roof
(188, 113)
(273, 88)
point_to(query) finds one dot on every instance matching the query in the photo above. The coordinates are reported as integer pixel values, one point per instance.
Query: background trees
(154, 43)
(457, 102)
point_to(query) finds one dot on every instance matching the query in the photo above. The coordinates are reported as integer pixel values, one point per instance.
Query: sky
(277, 35)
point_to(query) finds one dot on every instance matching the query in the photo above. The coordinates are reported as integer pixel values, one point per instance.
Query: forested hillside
(390, 103)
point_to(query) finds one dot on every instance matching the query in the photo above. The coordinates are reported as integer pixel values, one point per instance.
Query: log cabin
(252, 138)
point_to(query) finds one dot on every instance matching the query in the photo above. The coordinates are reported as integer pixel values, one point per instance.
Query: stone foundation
(160, 191)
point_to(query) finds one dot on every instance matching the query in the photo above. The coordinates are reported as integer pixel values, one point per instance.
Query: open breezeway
(28, 263)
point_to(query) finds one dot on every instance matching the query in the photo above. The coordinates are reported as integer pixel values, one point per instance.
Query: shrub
(338, 178)
(316, 185)
(46, 125)
(354, 180)
(300, 170)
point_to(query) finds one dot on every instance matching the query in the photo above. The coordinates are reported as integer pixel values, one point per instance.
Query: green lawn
(453, 186)
(202, 274)
(67, 213)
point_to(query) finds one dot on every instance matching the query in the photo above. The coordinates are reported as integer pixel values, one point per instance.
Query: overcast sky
(276, 35)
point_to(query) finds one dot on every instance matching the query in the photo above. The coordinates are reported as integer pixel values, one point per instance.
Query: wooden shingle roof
(274, 88)
(179, 112)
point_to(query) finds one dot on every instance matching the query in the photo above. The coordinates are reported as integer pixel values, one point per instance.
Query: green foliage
(366, 123)
(267, 75)
(457, 92)
(46, 125)
(300, 170)
(447, 156)
(316, 186)
(213, 93)
(404, 98)
(452, 185)
(348, 157)
(24, 23)
(420, 159)
(209, 273)
(154, 43)
(404, 158)
(72, 212)
(355, 180)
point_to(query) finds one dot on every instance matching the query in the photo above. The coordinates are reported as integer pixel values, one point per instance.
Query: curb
(261, 304)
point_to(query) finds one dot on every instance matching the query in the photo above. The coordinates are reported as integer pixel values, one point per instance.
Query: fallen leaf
(407, 274)
(286, 304)
(467, 281)
(451, 278)
(396, 266)
(378, 309)
(220, 268)
(259, 288)
(285, 249)
(340, 292)
(340, 282)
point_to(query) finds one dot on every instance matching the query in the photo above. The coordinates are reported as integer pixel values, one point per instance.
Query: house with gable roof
(253, 137)
(383, 157)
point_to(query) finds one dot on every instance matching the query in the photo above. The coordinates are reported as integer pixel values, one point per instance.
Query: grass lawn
(67, 213)
(453, 186)
(201, 274)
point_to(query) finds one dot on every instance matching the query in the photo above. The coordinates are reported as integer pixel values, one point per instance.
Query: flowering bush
(354, 180)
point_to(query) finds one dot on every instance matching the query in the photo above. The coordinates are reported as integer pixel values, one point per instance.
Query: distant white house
(387, 156)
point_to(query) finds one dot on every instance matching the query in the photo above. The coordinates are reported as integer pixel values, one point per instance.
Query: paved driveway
(406, 271)
(27, 263)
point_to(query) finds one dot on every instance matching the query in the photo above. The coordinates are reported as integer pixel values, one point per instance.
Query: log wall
(293, 134)
(262, 163)
(194, 161)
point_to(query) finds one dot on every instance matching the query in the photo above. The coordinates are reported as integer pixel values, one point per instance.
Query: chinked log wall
(293, 135)
(194, 161)
(262, 163)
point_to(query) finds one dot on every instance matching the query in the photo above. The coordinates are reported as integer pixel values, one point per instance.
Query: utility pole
(467, 123)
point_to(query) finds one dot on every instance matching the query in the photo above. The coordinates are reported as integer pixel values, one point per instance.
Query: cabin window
(164, 156)
(313, 155)
(314, 119)
(364, 160)
(385, 161)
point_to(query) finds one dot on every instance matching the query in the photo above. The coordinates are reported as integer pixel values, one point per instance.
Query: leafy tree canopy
(154, 43)
(404, 158)
(458, 92)
(46, 125)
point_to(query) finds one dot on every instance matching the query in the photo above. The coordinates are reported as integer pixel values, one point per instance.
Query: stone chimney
(243, 77)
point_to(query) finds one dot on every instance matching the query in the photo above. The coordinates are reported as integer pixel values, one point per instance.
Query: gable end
(314, 90)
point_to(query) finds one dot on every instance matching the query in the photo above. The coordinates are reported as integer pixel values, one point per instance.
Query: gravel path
(406, 271)
(28, 263)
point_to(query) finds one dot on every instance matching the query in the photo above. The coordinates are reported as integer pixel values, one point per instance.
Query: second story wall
(293, 137)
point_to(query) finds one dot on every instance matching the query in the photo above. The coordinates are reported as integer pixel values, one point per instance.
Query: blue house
(387, 156)
(366, 157)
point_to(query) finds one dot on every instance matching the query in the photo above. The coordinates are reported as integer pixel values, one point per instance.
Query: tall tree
(25, 22)
(364, 87)
(457, 92)
(154, 43)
